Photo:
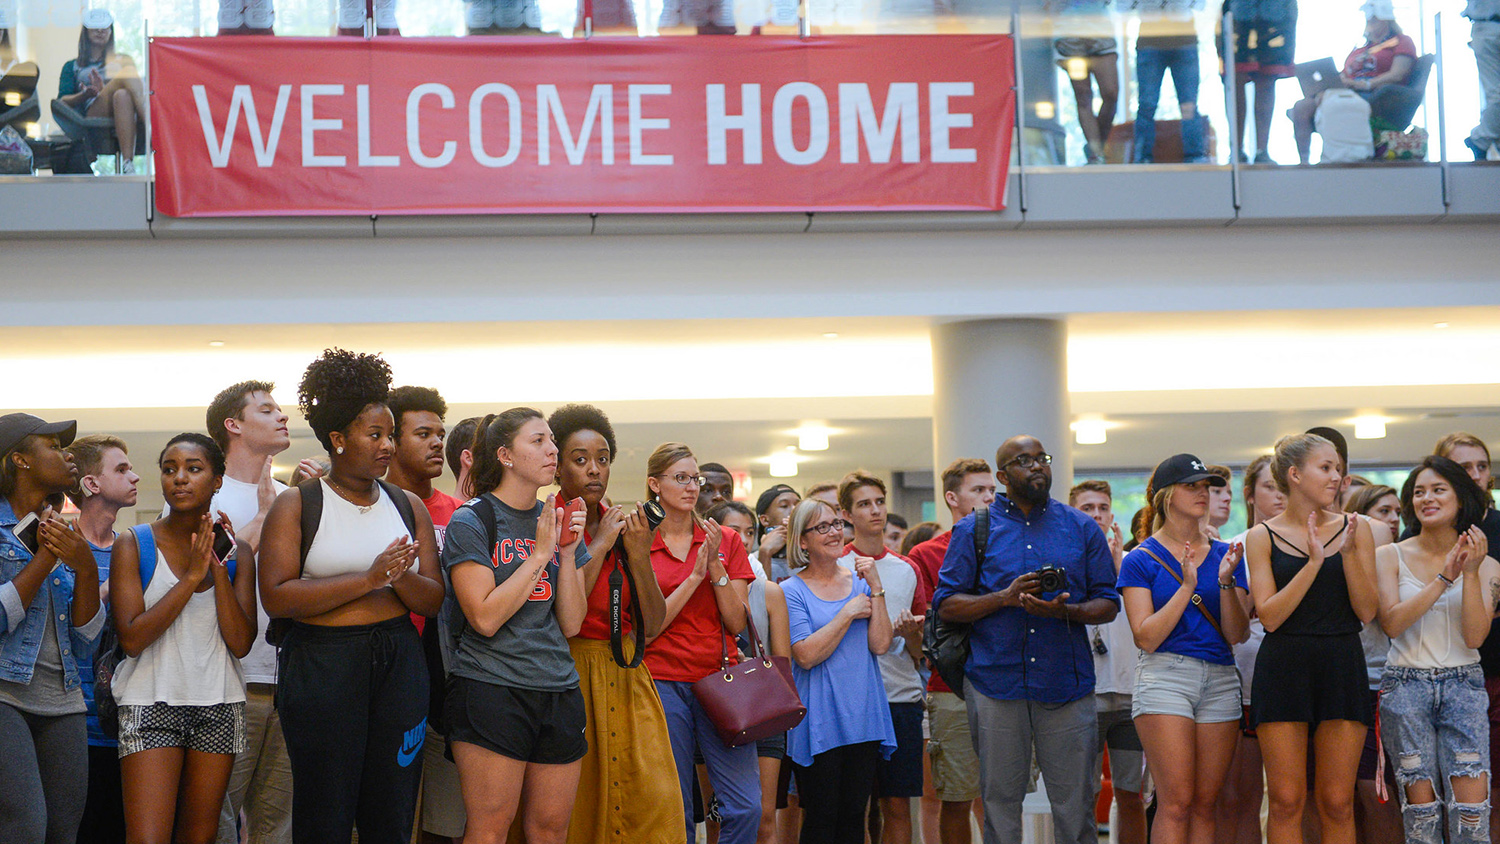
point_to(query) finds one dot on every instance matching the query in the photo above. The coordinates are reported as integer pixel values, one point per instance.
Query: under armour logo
(1199, 466)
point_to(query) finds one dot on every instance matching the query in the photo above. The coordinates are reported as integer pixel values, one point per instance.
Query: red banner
(285, 126)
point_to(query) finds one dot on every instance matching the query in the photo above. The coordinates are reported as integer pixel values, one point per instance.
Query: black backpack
(312, 516)
(946, 643)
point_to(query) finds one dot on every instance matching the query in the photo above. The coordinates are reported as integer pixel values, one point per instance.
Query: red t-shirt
(928, 557)
(1372, 60)
(689, 649)
(440, 506)
(596, 622)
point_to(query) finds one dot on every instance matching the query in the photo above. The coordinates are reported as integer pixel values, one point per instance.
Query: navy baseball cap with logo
(15, 427)
(763, 503)
(1183, 469)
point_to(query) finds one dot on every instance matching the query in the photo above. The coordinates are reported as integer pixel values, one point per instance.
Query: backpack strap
(403, 506)
(312, 512)
(452, 613)
(145, 543)
(981, 540)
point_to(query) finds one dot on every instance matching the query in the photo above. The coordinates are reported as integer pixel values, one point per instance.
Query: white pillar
(994, 379)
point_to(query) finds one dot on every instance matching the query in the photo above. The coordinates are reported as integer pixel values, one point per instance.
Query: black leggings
(834, 791)
(44, 776)
(353, 707)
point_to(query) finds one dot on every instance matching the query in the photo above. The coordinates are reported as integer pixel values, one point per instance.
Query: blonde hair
(1258, 465)
(662, 459)
(1294, 450)
(802, 516)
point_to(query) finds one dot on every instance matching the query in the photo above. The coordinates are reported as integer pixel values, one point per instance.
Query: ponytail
(493, 432)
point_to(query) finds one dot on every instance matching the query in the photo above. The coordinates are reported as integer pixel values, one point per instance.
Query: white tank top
(348, 540)
(1436, 640)
(189, 665)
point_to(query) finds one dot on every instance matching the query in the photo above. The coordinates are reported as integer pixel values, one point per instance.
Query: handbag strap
(758, 650)
(1197, 599)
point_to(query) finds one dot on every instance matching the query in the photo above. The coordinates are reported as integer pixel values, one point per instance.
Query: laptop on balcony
(1318, 76)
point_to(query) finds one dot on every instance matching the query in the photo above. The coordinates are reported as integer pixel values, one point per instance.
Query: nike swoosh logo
(411, 744)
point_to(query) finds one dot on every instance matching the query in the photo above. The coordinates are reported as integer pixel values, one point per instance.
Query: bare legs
(123, 99)
(1188, 786)
(173, 796)
(1336, 749)
(1105, 71)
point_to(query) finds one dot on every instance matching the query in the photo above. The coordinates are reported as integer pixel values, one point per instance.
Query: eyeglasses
(684, 479)
(1026, 461)
(824, 528)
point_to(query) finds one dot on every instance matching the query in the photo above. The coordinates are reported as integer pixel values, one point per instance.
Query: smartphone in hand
(568, 536)
(223, 543)
(27, 530)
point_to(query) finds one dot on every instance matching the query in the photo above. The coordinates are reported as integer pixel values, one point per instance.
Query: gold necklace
(347, 496)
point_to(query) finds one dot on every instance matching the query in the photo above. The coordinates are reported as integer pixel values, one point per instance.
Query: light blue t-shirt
(844, 695)
(1193, 636)
(97, 738)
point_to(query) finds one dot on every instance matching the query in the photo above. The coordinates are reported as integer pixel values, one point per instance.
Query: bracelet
(1444, 579)
(880, 594)
(1227, 586)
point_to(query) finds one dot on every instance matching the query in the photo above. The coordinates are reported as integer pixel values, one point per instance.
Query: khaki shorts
(955, 767)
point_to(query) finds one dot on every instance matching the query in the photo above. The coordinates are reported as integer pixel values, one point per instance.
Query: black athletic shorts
(541, 727)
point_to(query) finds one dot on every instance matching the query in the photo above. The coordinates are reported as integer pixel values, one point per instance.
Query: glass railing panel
(1471, 79)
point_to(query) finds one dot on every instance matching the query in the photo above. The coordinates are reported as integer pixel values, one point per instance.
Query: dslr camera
(1051, 578)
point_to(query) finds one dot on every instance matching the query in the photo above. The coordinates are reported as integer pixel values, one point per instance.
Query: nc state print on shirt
(509, 552)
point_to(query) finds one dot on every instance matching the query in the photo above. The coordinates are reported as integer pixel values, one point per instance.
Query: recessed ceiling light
(813, 437)
(1440, 325)
(216, 343)
(1090, 431)
(830, 335)
(784, 464)
(1369, 427)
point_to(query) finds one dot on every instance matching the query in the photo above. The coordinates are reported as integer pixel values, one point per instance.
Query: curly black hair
(403, 400)
(572, 418)
(338, 386)
(210, 449)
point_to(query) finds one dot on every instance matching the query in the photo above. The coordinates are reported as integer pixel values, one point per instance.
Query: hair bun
(338, 385)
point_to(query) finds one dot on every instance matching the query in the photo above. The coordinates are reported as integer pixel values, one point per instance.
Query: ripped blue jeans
(1435, 725)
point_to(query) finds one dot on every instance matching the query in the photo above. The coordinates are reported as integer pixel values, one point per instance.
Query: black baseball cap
(1340, 444)
(1183, 469)
(15, 427)
(763, 503)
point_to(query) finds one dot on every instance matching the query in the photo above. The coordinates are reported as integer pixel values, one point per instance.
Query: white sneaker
(127, 167)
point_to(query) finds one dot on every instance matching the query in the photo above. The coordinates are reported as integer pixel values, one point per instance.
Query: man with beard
(1029, 682)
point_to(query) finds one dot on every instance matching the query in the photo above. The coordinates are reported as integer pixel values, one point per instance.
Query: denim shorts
(1434, 724)
(1173, 684)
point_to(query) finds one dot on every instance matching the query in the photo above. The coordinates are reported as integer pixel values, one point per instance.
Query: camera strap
(1197, 599)
(618, 576)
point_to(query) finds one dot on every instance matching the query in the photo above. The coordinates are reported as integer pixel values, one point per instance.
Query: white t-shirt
(902, 682)
(1246, 651)
(1114, 672)
(238, 501)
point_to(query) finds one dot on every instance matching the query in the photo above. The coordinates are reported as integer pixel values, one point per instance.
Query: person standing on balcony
(1265, 47)
(1484, 40)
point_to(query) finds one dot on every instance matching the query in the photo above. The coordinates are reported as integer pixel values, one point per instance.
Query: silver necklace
(346, 495)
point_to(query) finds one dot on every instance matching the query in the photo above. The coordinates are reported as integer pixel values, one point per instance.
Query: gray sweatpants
(1064, 737)
(44, 777)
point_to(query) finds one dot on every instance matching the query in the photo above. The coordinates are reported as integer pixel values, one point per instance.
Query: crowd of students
(362, 652)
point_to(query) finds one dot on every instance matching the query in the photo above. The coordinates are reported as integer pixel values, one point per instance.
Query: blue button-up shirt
(1016, 655)
(22, 630)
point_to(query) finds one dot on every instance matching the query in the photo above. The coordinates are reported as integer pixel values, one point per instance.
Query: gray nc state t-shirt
(529, 650)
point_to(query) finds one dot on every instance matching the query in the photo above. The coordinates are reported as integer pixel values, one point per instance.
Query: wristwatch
(723, 580)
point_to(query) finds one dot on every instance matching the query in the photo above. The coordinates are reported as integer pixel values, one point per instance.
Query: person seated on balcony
(1168, 41)
(1386, 58)
(246, 17)
(103, 83)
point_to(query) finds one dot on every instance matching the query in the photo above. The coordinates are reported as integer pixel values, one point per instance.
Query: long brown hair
(492, 432)
(661, 459)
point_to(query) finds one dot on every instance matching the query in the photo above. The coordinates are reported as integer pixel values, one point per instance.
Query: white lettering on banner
(362, 99)
(747, 123)
(414, 127)
(601, 107)
(476, 124)
(941, 120)
(899, 121)
(312, 125)
(241, 101)
(639, 124)
(817, 118)
(857, 113)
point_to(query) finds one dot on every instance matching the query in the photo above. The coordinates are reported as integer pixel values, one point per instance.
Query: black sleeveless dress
(1312, 669)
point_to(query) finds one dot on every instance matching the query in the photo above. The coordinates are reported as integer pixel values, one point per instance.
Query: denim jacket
(21, 636)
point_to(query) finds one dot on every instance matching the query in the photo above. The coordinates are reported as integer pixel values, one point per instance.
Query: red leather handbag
(753, 700)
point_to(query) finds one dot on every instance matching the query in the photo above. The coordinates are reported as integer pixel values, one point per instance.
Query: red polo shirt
(928, 558)
(690, 648)
(596, 622)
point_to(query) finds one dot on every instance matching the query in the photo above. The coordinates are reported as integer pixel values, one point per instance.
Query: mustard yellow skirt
(627, 790)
